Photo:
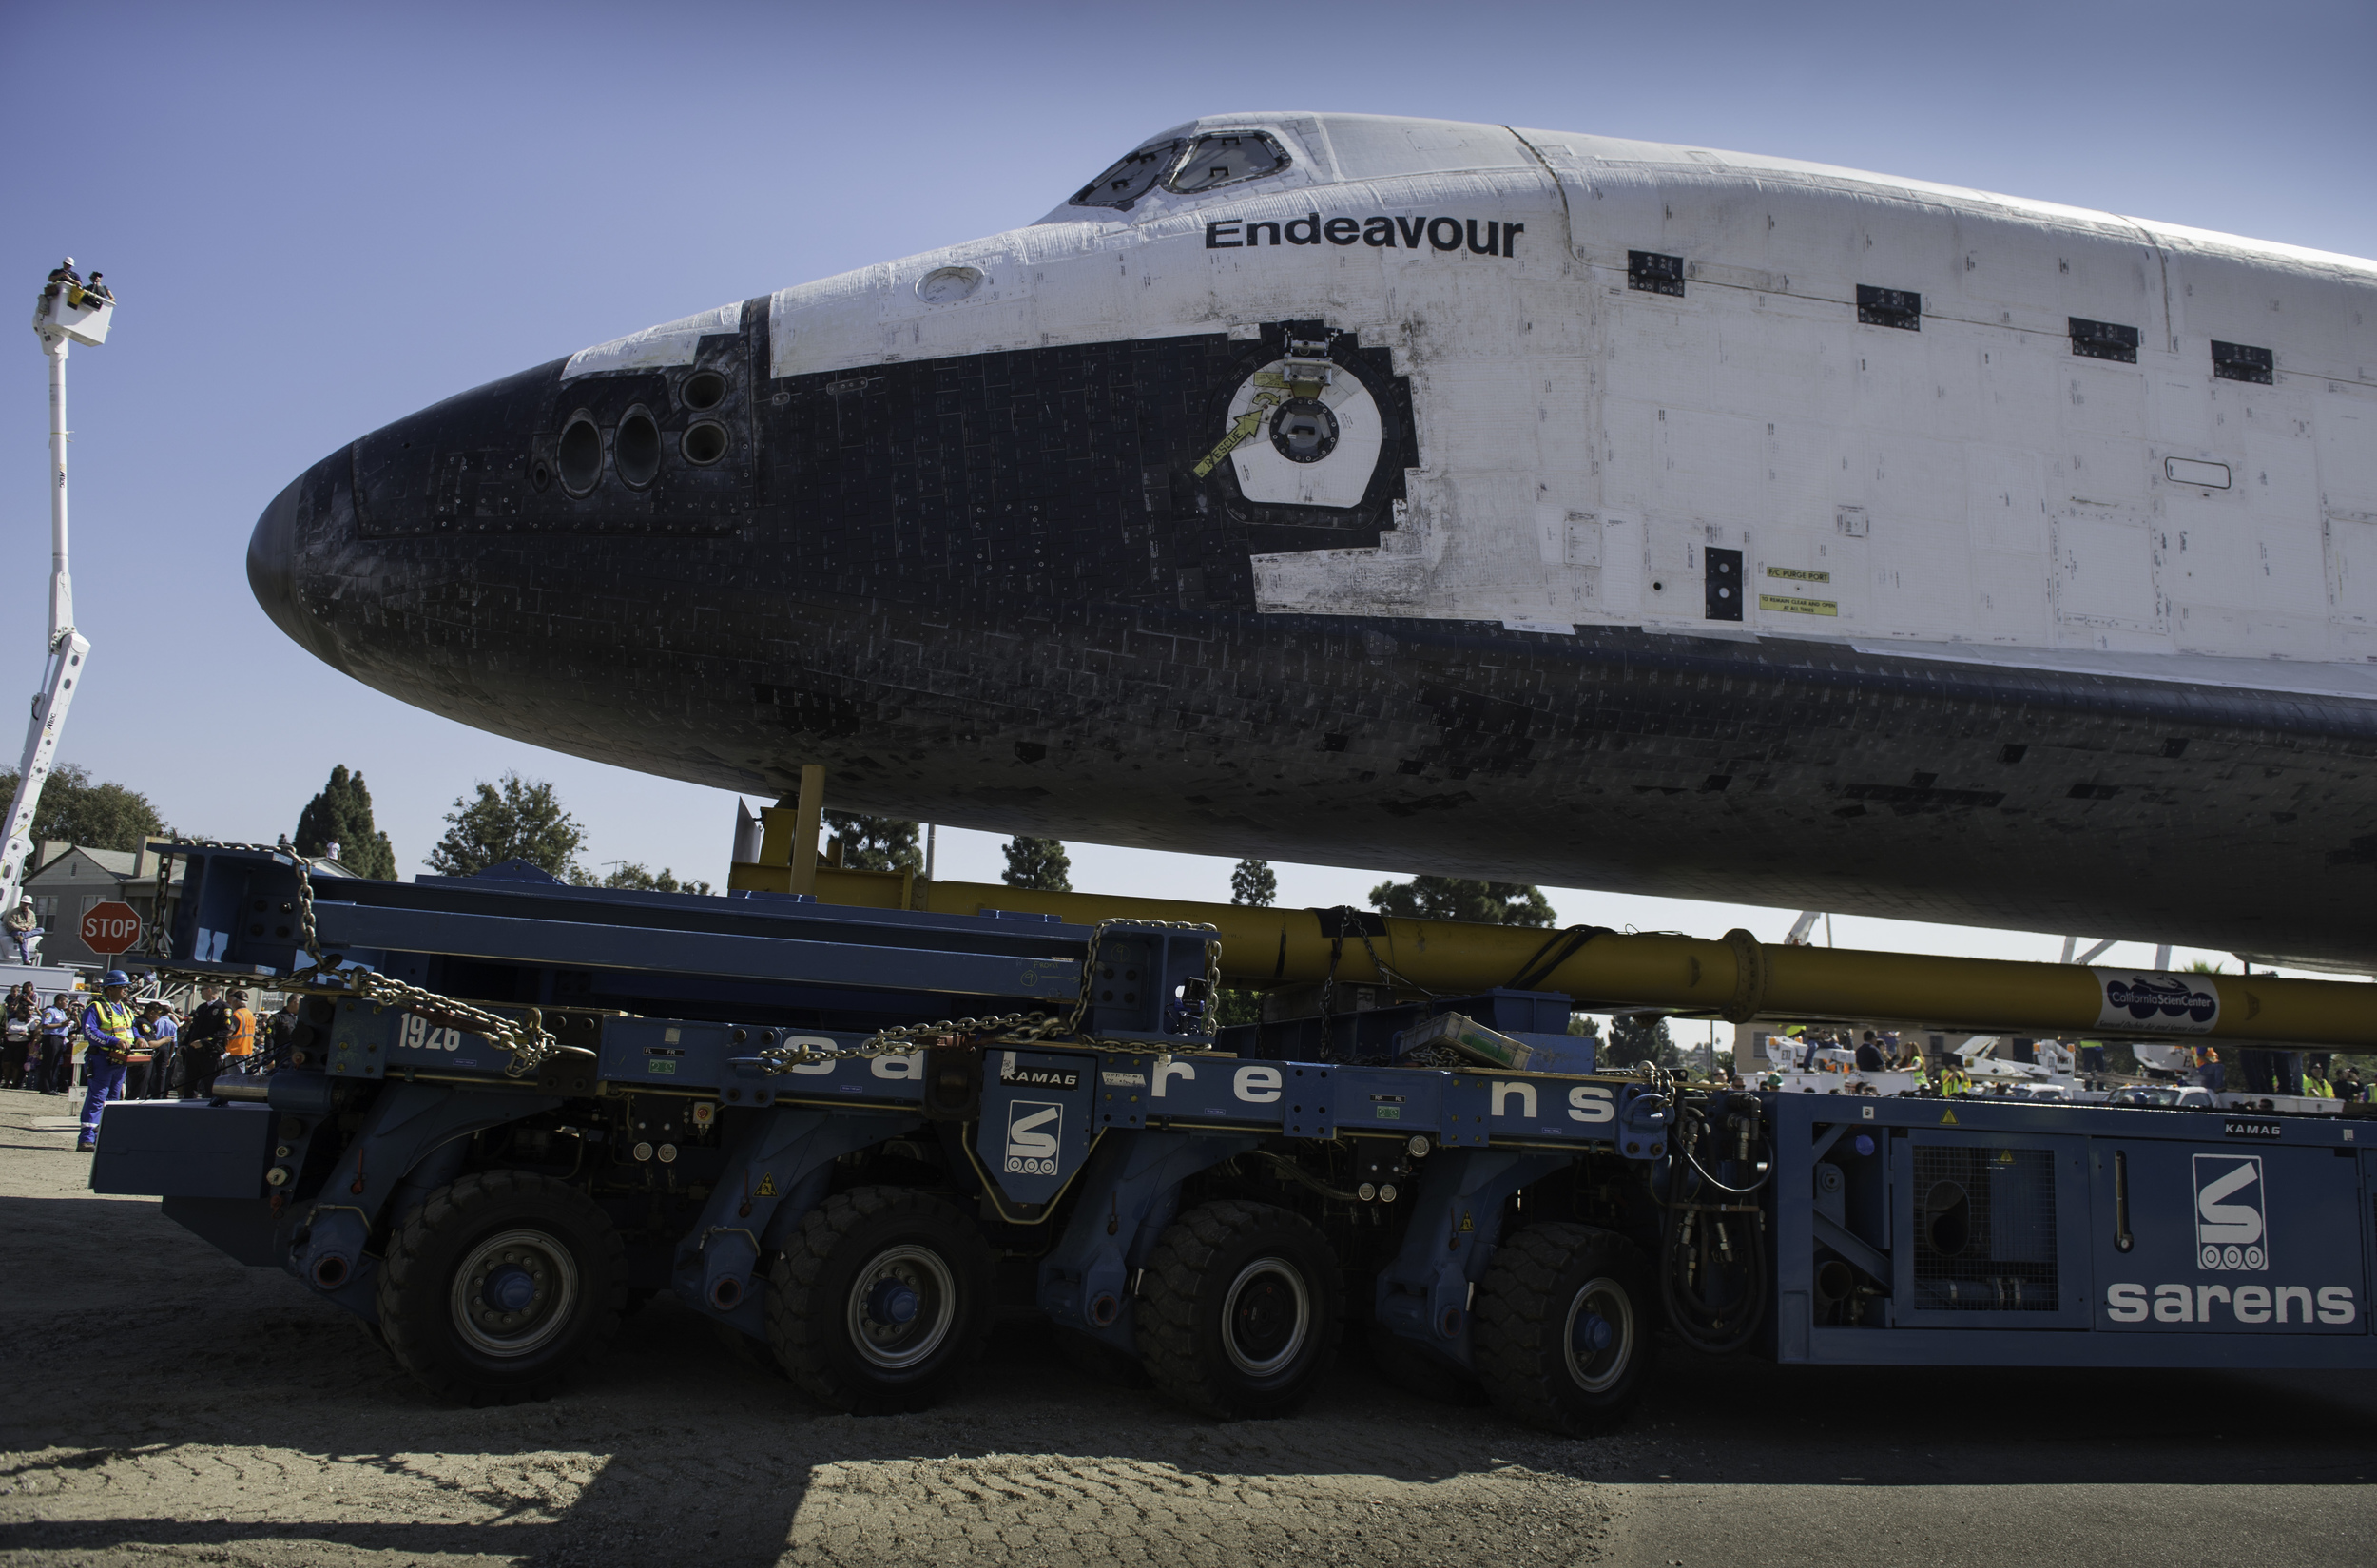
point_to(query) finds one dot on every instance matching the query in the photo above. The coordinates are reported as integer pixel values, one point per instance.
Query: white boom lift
(67, 312)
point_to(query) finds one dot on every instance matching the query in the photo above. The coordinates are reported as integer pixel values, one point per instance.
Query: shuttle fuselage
(1505, 503)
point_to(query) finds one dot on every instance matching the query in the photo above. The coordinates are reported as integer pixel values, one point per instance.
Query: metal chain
(1098, 934)
(523, 1039)
(1014, 1028)
(529, 1046)
(1337, 949)
(159, 944)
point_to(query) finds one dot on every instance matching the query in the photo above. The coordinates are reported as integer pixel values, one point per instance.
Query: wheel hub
(1601, 1339)
(513, 1293)
(902, 1305)
(894, 1302)
(510, 1289)
(1266, 1317)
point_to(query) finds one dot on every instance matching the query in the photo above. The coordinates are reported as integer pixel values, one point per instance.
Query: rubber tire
(1179, 1318)
(416, 1278)
(1402, 1364)
(810, 1281)
(1522, 1313)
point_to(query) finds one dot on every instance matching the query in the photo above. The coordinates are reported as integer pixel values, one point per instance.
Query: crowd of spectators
(2265, 1072)
(171, 1054)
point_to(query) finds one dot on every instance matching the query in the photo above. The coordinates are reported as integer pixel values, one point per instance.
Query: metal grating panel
(1890, 307)
(1984, 1230)
(2242, 362)
(1654, 273)
(2103, 340)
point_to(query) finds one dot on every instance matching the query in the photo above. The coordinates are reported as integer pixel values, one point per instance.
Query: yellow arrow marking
(1242, 429)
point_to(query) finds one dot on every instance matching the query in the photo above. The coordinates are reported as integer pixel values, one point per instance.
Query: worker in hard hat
(108, 1044)
(239, 1049)
(24, 930)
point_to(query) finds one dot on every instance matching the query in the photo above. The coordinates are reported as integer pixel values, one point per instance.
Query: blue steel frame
(1097, 1143)
(2128, 1213)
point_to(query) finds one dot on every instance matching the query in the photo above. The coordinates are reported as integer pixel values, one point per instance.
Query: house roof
(116, 863)
(125, 865)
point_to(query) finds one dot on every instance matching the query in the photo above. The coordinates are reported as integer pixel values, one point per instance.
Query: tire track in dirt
(159, 1402)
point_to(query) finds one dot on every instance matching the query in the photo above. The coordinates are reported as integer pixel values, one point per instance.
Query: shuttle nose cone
(315, 503)
(271, 566)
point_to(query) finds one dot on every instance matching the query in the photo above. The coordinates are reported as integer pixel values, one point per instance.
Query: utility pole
(68, 312)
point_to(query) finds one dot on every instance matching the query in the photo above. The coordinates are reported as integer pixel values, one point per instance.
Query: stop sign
(110, 927)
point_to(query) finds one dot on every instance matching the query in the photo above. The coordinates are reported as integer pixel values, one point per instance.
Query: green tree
(1253, 884)
(1238, 1004)
(1638, 1038)
(521, 819)
(876, 844)
(342, 815)
(1457, 899)
(633, 874)
(1040, 863)
(96, 816)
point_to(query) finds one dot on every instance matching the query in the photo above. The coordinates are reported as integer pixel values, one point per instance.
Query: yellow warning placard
(1798, 607)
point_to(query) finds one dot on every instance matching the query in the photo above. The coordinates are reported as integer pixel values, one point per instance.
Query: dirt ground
(161, 1404)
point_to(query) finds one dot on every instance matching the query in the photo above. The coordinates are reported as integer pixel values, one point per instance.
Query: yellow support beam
(812, 809)
(788, 834)
(1735, 977)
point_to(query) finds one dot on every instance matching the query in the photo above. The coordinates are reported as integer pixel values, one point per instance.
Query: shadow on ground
(156, 1399)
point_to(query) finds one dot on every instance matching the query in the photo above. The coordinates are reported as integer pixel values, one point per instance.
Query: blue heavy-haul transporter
(517, 1109)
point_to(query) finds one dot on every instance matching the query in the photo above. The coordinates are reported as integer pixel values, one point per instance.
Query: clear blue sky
(320, 218)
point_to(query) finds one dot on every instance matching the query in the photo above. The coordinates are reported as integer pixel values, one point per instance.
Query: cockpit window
(1225, 158)
(1211, 160)
(1121, 186)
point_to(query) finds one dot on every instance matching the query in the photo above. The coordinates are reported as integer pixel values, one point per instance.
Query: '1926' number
(416, 1035)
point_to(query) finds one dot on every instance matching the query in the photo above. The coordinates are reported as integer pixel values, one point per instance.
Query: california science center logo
(2232, 1212)
(2142, 996)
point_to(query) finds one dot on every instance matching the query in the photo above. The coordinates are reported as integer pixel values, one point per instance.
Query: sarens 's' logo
(2232, 1212)
(1033, 1129)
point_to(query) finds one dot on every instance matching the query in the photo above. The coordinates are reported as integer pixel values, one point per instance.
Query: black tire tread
(1520, 1313)
(1166, 1308)
(454, 1204)
(794, 1275)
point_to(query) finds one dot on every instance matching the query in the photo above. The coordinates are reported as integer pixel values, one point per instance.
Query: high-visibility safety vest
(243, 1034)
(114, 1019)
